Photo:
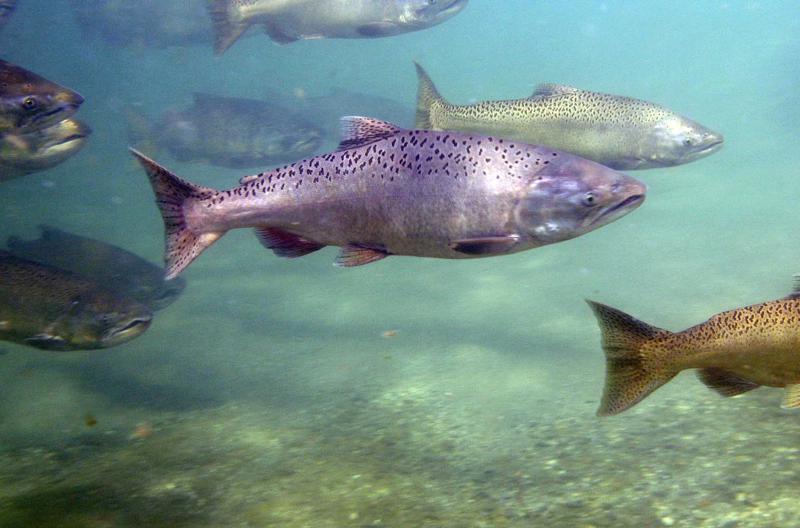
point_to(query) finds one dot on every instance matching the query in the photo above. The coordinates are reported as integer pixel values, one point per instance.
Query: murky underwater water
(414, 392)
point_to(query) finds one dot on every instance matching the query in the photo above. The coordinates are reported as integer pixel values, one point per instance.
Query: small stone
(667, 521)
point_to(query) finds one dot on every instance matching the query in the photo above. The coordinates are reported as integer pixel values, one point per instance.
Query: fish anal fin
(490, 245)
(791, 397)
(286, 244)
(278, 35)
(725, 382)
(356, 255)
(358, 131)
(551, 90)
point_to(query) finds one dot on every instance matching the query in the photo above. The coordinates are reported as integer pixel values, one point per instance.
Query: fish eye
(30, 103)
(687, 142)
(589, 199)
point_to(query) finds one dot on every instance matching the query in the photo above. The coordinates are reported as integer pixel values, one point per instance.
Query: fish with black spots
(390, 191)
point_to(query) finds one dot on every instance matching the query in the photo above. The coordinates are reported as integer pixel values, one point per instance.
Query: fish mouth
(712, 146)
(628, 204)
(133, 328)
(453, 7)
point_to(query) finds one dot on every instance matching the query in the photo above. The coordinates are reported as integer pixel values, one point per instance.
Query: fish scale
(390, 191)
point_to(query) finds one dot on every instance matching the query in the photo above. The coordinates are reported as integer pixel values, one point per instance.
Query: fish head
(104, 322)
(568, 196)
(425, 13)
(676, 140)
(30, 102)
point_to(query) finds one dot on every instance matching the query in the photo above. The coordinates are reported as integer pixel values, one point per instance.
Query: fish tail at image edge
(631, 372)
(227, 26)
(172, 192)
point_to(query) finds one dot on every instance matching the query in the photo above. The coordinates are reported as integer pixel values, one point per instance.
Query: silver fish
(620, 132)
(390, 191)
(290, 20)
(22, 154)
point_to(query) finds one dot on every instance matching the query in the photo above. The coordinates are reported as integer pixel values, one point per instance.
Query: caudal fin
(427, 97)
(172, 193)
(229, 25)
(632, 372)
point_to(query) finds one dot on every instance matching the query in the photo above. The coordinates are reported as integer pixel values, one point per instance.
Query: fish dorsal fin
(203, 99)
(795, 288)
(359, 131)
(552, 89)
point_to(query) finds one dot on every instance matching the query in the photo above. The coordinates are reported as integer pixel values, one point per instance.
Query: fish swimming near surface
(390, 191)
(120, 271)
(232, 132)
(735, 351)
(29, 102)
(7, 8)
(39, 150)
(144, 23)
(286, 21)
(45, 307)
(620, 132)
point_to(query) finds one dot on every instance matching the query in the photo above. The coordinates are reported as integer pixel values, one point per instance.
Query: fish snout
(69, 98)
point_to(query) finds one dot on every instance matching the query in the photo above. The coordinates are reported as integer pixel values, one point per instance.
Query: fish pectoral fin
(47, 341)
(356, 255)
(791, 397)
(377, 29)
(278, 35)
(286, 244)
(492, 245)
(725, 382)
(358, 131)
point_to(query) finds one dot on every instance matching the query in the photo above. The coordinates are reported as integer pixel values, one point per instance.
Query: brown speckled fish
(390, 191)
(736, 351)
(620, 132)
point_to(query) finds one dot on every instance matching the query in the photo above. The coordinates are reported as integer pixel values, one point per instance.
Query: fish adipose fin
(791, 397)
(182, 244)
(427, 97)
(630, 374)
(724, 382)
(358, 131)
(355, 255)
(285, 244)
(228, 24)
(486, 245)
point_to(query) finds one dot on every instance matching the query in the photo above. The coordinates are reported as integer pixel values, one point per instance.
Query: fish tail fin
(172, 193)
(228, 23)
(427, 97)
(632, 373)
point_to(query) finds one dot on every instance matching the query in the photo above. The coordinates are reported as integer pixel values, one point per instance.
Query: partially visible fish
(120, 271)
(290, 20)
(145, 23)
(35, 151)
(391, 191)
(234, 132)
(736, 351)
(45, 307)
(620, 132)
(29, 102)
(6, 10)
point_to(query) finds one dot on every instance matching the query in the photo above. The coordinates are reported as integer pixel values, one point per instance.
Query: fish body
(290, 20)
(735, 351)
(144, 23)
(237, 133)
(30, 102)
(120, 271)
(52, 309)
(7, 8)
(620, 132)
(35, 151)
(391, 191)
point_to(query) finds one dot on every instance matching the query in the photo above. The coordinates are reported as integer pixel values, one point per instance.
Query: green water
(269, 395)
